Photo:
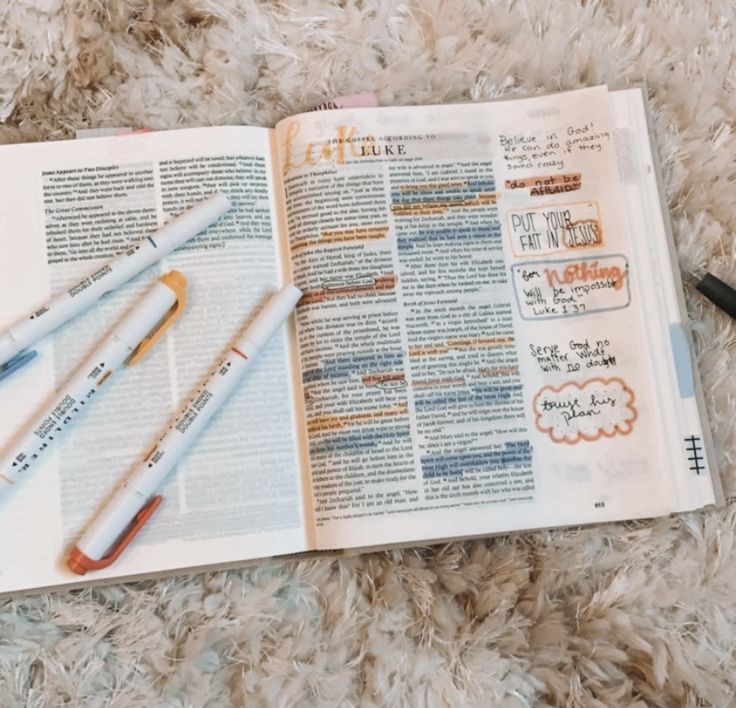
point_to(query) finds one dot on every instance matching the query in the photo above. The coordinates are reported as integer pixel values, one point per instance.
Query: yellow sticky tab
(178, 283)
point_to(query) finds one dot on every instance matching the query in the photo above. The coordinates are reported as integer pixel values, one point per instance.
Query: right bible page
(474, 349)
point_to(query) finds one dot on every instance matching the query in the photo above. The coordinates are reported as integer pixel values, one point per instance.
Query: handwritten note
(588, 411)
(565, 288)
(587, 137)
(552, 228)
(573, 356)
(548, 149)
(538, 150)
(547, 184)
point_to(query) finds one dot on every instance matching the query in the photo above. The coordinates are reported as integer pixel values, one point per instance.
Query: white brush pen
(60, 309)
(134, 503)
(129, 340)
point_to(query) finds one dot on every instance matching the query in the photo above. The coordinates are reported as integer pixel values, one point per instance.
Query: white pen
(134, 503)
(131, 338)
(60, 309)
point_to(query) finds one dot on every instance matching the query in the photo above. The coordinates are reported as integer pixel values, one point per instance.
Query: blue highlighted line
(479, 397)
(444, 194)
(515, 454)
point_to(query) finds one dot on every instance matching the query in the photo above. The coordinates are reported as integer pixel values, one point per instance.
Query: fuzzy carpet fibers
(624, 615)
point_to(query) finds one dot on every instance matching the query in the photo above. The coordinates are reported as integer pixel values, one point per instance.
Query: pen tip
(692, 275)
(75, 562)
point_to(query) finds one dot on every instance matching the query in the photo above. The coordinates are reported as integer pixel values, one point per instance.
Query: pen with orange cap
(132, 337)
(15, 340)
(136, 500)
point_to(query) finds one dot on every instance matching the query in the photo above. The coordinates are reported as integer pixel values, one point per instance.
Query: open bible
(492, 337)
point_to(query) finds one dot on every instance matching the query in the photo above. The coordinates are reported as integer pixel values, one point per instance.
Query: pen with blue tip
(16, 339)
(134, 335)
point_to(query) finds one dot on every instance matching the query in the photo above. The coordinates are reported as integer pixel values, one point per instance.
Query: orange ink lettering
(314, 153)
(585, 272)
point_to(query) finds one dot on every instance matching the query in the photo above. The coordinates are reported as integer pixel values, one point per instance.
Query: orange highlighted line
(428, 350)
(432, 208)
(471, 343)
(480, 342)
(430, 383)
(359, 233)
(487, 372)
(337, 422)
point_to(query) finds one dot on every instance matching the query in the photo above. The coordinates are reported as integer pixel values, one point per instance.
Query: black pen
(721, 295)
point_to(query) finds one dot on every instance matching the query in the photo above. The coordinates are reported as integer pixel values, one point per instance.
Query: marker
(134, 335)
(113, 274)
(723, 296)
(134, 503)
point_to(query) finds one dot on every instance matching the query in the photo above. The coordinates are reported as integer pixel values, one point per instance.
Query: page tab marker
(683, 359)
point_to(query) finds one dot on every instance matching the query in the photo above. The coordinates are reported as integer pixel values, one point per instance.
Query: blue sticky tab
(683, 359)
(17, 362)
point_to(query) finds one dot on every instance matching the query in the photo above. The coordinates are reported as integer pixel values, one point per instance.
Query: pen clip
(81, 563)
(177, 282)
(17, 362)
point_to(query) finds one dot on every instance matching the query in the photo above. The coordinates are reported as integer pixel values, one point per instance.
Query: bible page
(67, 208)
(472, 342)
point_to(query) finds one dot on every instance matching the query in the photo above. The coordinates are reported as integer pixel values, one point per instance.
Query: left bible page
(65, 209)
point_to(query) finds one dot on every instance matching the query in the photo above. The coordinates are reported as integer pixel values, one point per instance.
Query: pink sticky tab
(356, 100)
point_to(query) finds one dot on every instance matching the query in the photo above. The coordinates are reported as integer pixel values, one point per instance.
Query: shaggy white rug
(623, 615)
